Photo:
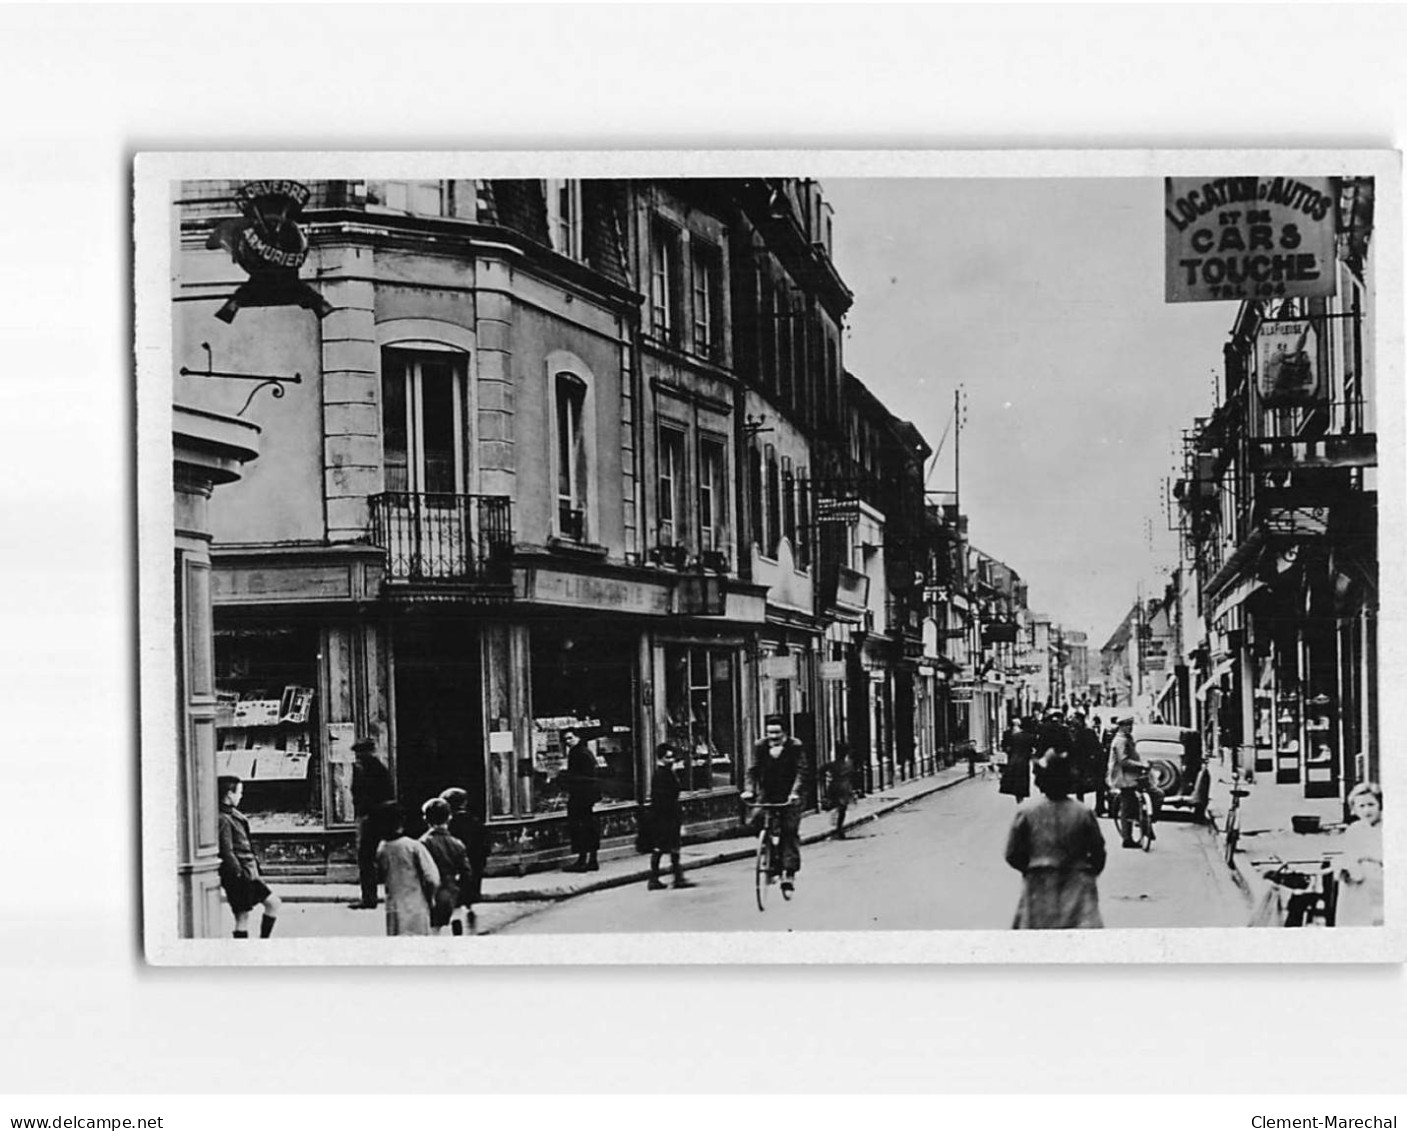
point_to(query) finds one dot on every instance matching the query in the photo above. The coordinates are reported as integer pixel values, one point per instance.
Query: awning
(1223, 666)
(1235, 595)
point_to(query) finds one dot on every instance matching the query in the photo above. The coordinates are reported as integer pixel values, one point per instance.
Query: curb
(640, 874)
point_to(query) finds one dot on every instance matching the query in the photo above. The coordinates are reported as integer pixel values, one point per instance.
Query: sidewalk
(1267, 834)
(635, 868)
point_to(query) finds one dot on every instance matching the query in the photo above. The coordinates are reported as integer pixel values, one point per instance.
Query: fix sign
(1235, 238)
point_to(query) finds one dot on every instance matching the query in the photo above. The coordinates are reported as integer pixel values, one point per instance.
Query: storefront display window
(266, 720)
(582, 679)
(701, 705)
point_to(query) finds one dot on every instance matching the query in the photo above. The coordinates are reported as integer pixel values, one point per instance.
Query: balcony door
(423, 414)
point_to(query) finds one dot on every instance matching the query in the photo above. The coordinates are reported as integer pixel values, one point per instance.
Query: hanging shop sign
(269, 243)
(1237, 238)
(1287, 357)
(1297, 522)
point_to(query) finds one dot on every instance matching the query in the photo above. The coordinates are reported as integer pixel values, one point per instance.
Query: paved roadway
(935, 864)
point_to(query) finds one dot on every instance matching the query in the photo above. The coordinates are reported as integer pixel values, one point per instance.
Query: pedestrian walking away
(778, 776)
(239, 868)
(664, 819)
(840, 786)
(1360, 868)
(408, 870)
(372, 791)
(452, 860)
(1056, 845)
(583, 792)
(1020, 751)
(466, 825)
(1087, 759)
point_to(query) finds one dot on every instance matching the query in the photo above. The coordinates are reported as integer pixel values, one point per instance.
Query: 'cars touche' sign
(1235, 238)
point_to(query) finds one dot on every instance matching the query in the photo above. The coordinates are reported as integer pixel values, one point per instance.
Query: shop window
(713, 495)
(706, 274)
(665, 288)
(571, 453)
(671, 500)
(564, 216)
(701, 708)
(266, 719)
(582, 678)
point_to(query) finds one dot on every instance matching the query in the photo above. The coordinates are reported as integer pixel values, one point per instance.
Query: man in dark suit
(372, 793)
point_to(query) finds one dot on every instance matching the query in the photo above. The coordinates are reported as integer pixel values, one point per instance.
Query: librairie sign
(1235, 238)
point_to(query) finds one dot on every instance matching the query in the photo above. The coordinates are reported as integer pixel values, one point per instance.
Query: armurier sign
(268, 241)
(1235, 238)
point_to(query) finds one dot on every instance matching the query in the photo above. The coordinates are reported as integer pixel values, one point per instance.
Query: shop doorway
(439, 714)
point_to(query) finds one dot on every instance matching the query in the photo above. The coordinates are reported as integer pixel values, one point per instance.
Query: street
(934, 865)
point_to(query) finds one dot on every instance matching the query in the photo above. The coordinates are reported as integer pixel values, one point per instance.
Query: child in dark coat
(665, 819)
(452, 861)
(468, 827)
(239, 868)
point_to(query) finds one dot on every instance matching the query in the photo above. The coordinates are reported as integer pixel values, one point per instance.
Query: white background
(83, 90)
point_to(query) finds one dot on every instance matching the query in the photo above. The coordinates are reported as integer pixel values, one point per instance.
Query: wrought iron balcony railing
(433, 537)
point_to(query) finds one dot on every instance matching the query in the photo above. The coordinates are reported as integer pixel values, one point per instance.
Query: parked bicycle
(1308, 889)
(1231, 834)
(769, 850)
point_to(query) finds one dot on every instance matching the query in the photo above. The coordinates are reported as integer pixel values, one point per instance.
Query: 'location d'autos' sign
(1234, 238)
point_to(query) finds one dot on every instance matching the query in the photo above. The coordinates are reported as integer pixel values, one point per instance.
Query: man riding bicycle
(778, 776)
(1127, 776)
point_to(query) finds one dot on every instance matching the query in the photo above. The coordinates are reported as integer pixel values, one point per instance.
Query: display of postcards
(225, 704)
(240, 763)
(295, 704)
(271, 764)
(256, 713)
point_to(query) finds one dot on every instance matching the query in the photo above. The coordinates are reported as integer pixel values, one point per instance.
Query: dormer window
(564, 216)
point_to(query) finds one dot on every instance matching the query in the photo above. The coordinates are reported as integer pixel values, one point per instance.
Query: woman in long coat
(1056, 845)
(1020, 749)
(411, 877)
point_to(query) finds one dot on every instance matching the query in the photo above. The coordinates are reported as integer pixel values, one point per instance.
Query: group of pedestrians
(431, 881)
(1055, 842)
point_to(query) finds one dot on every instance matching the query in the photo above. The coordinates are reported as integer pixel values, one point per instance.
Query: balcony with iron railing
(455, 539)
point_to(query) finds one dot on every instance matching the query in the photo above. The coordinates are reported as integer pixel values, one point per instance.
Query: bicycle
(769, 850)
(1144, 795)
(1310, 886)
(1231, 833)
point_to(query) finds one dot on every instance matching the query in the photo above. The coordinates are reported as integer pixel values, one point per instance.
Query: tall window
(767, 334)
(788, 502)
(664, 281)
(803, 520)
(774, 504)
(571, 457)
(564, 216)
(422, 198)
(713, 495)
(422, 415)
(832, 379)
(706, 274)
(671, 501)
(782, 336)
(757, 505)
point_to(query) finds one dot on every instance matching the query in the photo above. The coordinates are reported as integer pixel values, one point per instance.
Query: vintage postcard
(771, 557)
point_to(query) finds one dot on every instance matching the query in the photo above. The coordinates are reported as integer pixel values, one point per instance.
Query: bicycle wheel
(1145, 822)
(761, 876)
(1231, 836)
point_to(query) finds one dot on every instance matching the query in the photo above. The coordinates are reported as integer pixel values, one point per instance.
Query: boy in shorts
(239, 869)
